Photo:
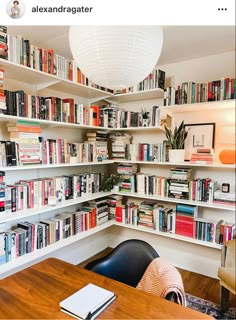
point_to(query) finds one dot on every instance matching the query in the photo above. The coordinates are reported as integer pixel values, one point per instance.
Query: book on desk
(88, 302)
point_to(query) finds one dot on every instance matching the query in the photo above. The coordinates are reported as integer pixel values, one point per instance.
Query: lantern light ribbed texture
(116, 57)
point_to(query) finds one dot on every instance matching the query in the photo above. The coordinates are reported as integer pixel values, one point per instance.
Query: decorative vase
(176, 155)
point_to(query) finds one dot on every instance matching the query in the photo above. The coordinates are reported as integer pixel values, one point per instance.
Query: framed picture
(200, 136)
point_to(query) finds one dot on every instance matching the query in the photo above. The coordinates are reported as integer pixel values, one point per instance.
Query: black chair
(126, 263)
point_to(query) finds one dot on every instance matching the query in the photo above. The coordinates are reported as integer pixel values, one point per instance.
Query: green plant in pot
(109, 181)
(176, 139)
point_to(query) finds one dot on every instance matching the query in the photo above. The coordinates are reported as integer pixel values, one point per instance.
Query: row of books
(36, 193)
(28, 237)
(182, 220)
(200, 189)
(191, 92)
(157, 152)
(21, 51)
(18, 103)
(156, 79)
(28, 149)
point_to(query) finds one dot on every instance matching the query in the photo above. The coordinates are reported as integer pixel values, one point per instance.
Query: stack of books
(101, 207)
(204, 155)
(178, 184)
(146, 214)
(127, 168)
(26, 136)
(227, 198)
(120, 144)
(98, 140)
(113, 201)
(185, 220)
(128, 178)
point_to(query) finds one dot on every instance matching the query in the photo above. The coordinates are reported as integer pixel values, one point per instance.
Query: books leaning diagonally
(88, 302)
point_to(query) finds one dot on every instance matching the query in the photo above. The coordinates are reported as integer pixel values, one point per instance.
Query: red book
(119, 214)
(93, 219)
(95, 115)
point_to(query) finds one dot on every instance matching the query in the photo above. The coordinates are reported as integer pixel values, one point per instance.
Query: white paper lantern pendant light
(116, 57)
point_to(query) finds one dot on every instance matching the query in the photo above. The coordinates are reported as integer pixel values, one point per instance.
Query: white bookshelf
(200, 106)
(40, 253)
(24, 214)
(60, 165)
(56, 124)
(44, 80)
(49, 123)
(170, 235)
(41, 81)
(181, 164)
(173, 200)
(137, 95)
(150, 128)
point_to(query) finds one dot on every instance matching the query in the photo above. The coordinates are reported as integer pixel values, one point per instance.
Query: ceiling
(180, 42)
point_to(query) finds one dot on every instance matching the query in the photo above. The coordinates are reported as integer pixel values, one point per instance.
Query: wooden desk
(35, 293)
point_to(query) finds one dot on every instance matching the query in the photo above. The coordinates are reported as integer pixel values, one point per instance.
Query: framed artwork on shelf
(200, 136)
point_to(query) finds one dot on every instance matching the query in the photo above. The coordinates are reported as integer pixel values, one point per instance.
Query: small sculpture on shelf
(145, 118)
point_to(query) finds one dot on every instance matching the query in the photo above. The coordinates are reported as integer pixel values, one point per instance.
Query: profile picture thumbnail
(15, 9)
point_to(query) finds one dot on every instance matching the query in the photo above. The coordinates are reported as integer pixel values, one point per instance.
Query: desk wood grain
(35, 293)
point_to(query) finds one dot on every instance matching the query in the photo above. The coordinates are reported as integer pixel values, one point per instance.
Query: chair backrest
(126, 263)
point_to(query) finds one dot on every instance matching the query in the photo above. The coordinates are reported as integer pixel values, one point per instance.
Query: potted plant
(109, 181)
(176, 141)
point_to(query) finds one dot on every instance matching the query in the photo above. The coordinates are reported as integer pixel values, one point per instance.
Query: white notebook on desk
(88, 302)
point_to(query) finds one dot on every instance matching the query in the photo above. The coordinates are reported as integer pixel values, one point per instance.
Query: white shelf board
(201, 106)
(30, 257)
(170, 235)
(35, 77)
(181, 164)
(190, 202)
(138, 95)
(151, 128)
(77, 89)
(34, 211)
(51, 166)
(49, 123)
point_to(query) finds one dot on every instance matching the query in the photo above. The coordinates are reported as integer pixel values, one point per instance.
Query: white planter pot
(176, 155)
(74, 160)
(116, 189)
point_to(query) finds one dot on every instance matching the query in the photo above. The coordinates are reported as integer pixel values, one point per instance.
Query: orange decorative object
(228, 156)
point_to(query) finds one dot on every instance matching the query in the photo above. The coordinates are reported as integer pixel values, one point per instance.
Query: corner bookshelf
(42, 81)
